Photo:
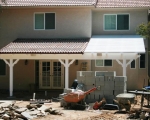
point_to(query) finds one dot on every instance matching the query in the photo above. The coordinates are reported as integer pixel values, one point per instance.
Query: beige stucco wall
(74, 68)
(23, 76)
(135, 77)
(19, 23)
(136, 17)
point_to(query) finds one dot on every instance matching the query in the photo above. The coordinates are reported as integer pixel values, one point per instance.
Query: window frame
(134, 64)
(44, 20)
(104, 63)
(116, 21)
(144, 61)
(5, 69)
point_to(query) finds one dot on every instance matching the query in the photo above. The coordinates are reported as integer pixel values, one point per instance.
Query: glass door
(51, 75)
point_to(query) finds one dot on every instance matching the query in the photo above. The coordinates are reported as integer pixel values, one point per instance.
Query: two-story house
(46, 43)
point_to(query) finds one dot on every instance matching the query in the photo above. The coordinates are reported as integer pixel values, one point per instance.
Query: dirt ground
(89, 114)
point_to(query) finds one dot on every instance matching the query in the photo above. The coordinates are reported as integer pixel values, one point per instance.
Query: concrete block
(79, 73)
(109, 96)
(88, 87)
(119, 83)
(90, 81)
(81, 79)
(99, 80)
(109, 85)
(98, 94)
(108, 92)
(83, 73)
(109, 78)
(100, 88)
(90, 73)
(91, 96)
(112, 73)
(117, 92)
(119, 88)
(100, 73)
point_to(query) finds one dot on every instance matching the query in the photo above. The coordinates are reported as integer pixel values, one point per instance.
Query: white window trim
(116, 21)
(135, 65)
(145, 62)
(103, 63)
(44, 20)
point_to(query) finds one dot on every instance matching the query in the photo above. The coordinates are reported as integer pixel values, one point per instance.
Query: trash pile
(10, 111)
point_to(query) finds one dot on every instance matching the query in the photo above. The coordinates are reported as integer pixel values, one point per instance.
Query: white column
(66, 64)
(124, 74)
(11, 65)
(66, 74)
(11, 77)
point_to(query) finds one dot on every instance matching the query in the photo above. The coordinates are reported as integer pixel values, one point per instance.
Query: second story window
(116, 22)
(44, 21)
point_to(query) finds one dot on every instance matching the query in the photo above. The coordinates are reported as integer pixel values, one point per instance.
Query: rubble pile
(10, 111)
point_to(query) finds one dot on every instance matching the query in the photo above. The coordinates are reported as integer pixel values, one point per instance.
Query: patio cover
(116, 47)
(115, 44)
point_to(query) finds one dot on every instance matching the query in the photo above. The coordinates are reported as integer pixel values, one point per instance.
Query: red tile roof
(46, 46)
(48, 2)
(97, 3)
(122, 3)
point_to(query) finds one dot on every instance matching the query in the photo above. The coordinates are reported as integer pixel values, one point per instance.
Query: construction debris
(9, 111)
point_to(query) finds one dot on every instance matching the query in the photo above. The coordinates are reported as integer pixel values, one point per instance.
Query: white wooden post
(66, 73)
(66, 64)
(11, 65)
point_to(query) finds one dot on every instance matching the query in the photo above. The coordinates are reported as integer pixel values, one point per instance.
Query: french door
(51, 75)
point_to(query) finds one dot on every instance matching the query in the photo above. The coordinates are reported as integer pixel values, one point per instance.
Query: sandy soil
(89, 114)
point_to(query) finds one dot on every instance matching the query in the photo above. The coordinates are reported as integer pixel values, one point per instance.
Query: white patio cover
(115, 44)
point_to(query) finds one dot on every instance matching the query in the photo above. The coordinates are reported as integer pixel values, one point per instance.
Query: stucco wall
(23, 76)
(136, 17)
(19, 23)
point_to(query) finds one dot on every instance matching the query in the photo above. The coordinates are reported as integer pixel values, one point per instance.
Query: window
(116, 22)
(44, 21)
(133, 64)
(142, 61)
(101, 63)
(2, 68)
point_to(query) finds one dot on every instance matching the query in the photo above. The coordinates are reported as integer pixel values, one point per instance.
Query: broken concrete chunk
(31, 106)
(5, 105)
(20, 110)
(27, 115)
(5, 117)
(34, 112)
(44, 107)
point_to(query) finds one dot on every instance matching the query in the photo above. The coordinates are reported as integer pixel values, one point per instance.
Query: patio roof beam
(11, 64)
